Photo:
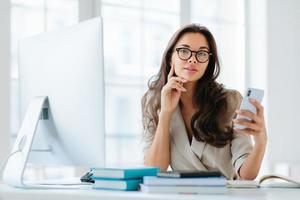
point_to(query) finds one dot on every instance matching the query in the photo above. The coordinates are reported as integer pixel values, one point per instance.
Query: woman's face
(191, 66)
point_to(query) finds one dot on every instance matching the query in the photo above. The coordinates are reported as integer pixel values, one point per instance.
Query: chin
(191, 78)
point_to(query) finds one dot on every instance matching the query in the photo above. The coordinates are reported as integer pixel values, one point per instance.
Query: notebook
(270, 180)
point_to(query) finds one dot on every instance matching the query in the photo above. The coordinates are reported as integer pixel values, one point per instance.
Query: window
(226, 21)
(135, 35)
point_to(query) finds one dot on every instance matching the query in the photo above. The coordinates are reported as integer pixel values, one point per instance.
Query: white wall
(4, 77)
(283, 45)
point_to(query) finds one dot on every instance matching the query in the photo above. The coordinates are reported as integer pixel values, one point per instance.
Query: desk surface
(10, 193)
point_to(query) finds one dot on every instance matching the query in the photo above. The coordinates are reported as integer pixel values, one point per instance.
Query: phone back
(253, 93)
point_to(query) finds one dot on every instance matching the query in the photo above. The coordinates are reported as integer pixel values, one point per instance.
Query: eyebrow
(185, 45)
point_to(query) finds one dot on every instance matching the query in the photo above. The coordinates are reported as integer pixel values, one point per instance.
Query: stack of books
(121, 178)
(185, 182)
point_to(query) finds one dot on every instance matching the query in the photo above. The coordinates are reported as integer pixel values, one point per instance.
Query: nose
(192, 61)
(193, 58)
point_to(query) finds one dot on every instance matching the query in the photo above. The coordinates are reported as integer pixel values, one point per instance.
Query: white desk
(9, 193)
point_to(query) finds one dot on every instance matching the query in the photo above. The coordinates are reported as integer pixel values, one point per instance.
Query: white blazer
(202, 156)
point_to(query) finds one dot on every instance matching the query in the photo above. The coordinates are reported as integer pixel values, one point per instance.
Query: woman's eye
(201, 53)
(185, 51)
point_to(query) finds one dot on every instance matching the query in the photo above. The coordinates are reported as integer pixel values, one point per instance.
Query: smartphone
(253, 93)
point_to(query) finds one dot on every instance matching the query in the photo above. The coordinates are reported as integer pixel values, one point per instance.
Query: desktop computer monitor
(65, 69)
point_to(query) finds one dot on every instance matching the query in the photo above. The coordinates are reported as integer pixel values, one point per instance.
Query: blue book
(131, 184)
(124, 173)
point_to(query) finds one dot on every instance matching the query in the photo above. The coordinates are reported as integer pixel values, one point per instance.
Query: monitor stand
(17, 159)
(13, 174)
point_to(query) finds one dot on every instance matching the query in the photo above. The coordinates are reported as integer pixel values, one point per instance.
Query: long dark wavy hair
(210, 96)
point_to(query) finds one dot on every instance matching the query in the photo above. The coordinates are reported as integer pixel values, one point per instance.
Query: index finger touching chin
(171, 72)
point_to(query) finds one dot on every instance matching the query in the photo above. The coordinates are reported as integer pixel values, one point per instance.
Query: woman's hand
(170, 93)
(256, 127)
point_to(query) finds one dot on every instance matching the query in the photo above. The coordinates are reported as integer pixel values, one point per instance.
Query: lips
(191, 69)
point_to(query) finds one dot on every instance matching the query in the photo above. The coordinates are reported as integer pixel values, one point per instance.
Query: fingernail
(252, 100)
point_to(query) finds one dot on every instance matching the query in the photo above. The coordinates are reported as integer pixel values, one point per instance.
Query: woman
(188, 117)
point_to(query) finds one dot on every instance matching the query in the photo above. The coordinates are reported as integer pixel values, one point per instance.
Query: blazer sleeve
(241, 144)
(147, 134)
(147, 137)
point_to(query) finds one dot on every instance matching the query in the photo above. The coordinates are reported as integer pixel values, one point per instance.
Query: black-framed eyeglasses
(202, 56)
